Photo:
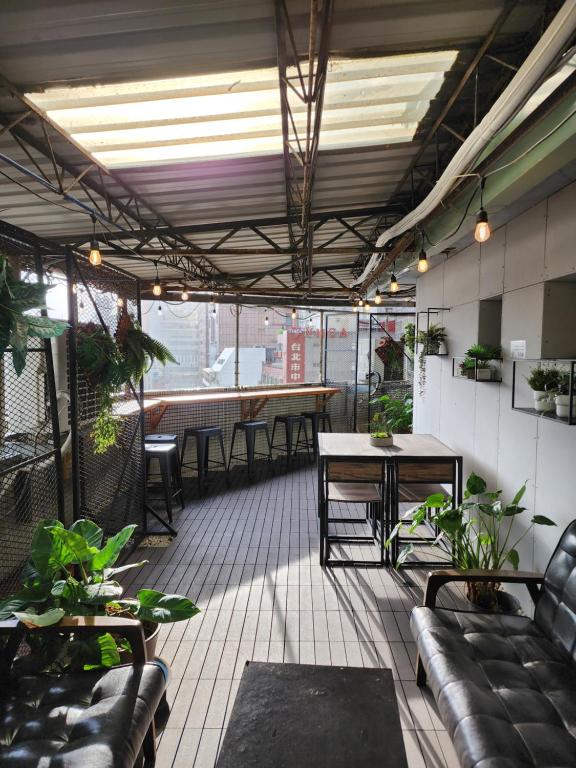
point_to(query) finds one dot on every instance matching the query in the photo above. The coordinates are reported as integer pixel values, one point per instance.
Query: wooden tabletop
(348, 445)
(196, 398)
(130, 407)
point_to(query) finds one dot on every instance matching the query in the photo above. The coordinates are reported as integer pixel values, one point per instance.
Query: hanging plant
(110, 364)
(139, 350)
(408, 337)
(431, 341)
(17, 298)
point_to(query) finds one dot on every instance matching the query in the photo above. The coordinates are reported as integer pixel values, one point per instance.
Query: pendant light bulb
(482, 231)
(367, 306)
(74, 288)
(156, 288)
(422, 261)
(294, 315)
(120, 302)
(266, 321)
(378, 297)
(184, 295)
(95, 257)
(394, 287)
(360, 302)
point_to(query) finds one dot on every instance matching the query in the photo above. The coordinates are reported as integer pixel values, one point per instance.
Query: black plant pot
(498, 601)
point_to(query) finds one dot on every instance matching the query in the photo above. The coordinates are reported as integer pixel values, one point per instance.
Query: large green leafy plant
(479, 533)
(72, 572)
(109, 364)
(17, 299)
(397, 412)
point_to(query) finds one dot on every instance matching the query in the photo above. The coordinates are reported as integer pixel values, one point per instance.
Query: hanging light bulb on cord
(95, 257)
(266, 320)
(422, 261)
(294, 314)
(120, 302)
(394, 287)
(377, 297)
(482, 231)
(184, 294)
(157, 288)
(360, 302)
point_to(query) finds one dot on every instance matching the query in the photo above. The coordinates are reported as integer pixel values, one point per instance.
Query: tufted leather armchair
(505, 685)
(100, 719)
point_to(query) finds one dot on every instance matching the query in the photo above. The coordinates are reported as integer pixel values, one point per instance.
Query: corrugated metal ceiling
(118, 41)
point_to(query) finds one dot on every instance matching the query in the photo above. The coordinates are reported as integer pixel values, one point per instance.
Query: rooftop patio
(287, 384)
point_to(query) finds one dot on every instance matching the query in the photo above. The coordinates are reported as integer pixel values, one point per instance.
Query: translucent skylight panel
(236, 114)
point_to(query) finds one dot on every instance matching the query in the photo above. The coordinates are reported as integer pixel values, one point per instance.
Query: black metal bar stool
(164, 439)
(166, 454)
(202, 436)
(290, 422)
(319, 421)
(250, 428)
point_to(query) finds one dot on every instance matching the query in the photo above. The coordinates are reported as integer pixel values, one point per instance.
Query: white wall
(476, 418)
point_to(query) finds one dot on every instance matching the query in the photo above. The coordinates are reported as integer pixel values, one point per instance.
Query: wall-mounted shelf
(548, 403)
(488, 372)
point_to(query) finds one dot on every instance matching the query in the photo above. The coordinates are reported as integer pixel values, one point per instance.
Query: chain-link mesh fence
(29, 480)
(109, 486)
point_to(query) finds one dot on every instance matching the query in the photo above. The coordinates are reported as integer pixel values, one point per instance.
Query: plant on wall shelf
(543, 381)
(467, 367)
(477, 534)
(477, 362)
(109, 365)
(433, 342)
(17, 299)
(408, 337)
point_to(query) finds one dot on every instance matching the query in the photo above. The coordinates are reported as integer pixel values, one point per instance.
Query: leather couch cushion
(505, 691)
(556, 609)
(84, 720)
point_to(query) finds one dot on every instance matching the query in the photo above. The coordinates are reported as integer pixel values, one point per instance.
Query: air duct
(544, 55)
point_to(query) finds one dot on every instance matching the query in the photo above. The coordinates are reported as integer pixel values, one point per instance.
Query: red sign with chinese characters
(295, 363)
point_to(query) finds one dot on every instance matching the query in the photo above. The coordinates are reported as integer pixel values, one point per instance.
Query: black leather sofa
(100, 719)
(505, 685)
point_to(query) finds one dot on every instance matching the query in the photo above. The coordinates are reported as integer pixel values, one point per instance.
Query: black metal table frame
(389, 507)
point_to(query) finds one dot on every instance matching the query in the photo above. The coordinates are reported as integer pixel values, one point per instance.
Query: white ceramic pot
(442, 348)
(562, 406)
(484, 374)
(381, 442)
(543, 401)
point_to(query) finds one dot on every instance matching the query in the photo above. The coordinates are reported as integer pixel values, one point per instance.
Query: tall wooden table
(252, 401)
(357, 450)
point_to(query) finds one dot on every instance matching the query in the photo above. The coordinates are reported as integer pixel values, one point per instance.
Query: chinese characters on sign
(295, 359)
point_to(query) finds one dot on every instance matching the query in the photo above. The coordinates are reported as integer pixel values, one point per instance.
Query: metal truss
(113, 203)
(302, 79)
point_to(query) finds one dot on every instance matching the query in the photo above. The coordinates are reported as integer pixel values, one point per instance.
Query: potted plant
(17, 299)
(408, 337)
(380, 433)
(477, 534)
(397, 412)
(433, 342)
(562, 396)
(110, 364)
(467, 368)
(482, 355)
(72, 572)
(543, 381)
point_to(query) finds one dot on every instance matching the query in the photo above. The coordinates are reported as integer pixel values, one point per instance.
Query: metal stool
(319, 421)
(167, 455)
(250, 428)
(289, 422)
(164, 439)
(203, 460)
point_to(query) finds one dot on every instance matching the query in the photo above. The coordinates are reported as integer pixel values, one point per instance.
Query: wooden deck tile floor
(248, 556)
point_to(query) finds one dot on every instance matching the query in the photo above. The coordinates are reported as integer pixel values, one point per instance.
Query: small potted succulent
(562, 396)
(543, 381)
(380, 432)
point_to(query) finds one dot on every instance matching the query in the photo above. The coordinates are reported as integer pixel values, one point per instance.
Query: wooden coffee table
(305, 716)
